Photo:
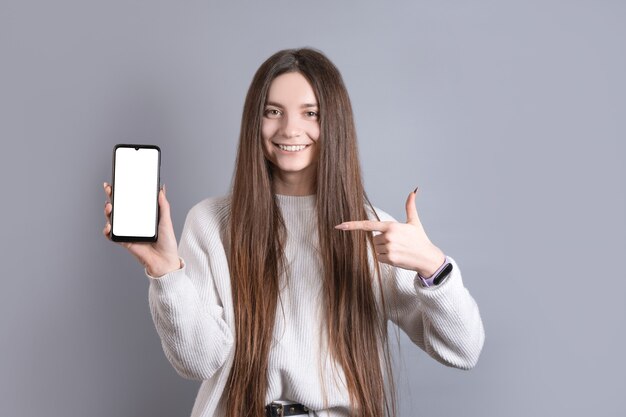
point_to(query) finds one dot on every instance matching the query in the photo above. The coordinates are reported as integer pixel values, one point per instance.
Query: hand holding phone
(160, 256)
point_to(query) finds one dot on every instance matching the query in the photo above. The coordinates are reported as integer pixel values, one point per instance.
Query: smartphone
(136, 184)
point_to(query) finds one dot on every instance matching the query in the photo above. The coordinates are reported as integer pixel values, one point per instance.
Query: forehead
(291, 88)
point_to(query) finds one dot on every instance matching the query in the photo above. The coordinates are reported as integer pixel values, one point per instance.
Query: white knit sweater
(193, 313)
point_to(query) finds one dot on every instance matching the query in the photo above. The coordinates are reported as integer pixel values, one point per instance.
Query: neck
(294, 183)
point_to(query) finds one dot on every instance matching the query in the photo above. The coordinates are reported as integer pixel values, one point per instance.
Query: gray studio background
(509, 116)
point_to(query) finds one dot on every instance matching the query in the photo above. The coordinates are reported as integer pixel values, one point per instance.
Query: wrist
(165, 268)
(436, 262)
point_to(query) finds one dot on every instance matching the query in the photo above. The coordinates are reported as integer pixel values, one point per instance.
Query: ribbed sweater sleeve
(187, 313)
(443, 320)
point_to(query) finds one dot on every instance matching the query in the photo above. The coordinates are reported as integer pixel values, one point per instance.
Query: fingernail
(104, 185)
(341, 226)
(416, 188)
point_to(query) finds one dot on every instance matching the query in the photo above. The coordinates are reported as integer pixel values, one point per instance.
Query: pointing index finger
(368, 225)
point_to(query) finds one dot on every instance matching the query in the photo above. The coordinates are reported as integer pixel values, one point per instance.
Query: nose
(290, 127)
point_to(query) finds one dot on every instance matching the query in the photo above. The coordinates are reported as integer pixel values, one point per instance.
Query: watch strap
(438, 276)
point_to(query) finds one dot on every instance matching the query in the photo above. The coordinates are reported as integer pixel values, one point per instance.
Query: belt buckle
(278, 409)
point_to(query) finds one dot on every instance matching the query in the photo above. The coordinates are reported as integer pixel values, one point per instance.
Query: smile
(291, 148)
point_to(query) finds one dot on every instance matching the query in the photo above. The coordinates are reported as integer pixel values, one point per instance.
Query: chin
(291, 168)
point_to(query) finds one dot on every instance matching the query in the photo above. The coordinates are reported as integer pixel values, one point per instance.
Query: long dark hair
(356, 323)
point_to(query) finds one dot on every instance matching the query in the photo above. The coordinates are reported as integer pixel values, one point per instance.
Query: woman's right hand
(158, 257)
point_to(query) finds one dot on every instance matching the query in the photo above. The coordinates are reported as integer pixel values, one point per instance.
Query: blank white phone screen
(135, 192)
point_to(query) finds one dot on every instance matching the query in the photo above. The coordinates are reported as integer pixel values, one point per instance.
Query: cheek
(268, 130)
(314, 132)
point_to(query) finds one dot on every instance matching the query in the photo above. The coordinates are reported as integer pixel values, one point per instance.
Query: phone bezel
(119, 238)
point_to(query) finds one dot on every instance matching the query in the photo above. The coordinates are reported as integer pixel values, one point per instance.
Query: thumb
(164, 207)
(411, 210)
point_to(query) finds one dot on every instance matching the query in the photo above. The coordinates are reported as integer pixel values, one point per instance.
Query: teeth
(292, 148)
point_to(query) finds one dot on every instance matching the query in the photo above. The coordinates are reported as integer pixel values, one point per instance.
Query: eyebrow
(303, 106)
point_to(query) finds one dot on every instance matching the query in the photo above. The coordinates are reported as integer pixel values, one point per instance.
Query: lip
(292, 144)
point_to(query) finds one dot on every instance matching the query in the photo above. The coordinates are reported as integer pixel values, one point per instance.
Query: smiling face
(290, 131)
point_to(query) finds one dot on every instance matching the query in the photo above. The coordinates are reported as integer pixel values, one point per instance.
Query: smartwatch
(442, 274)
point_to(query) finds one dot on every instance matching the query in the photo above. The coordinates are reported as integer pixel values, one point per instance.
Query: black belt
(279, 410)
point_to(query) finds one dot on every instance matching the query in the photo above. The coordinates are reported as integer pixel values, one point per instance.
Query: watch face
(444, 273)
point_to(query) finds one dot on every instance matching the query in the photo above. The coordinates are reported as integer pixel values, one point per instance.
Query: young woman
(279, 294)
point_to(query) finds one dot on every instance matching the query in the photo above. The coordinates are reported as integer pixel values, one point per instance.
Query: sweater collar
(296, 202)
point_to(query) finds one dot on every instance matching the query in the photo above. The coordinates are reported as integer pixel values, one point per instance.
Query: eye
(272, 113)
(312, 114)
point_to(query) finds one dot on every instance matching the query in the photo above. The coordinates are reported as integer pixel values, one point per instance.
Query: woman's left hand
(404, 245)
